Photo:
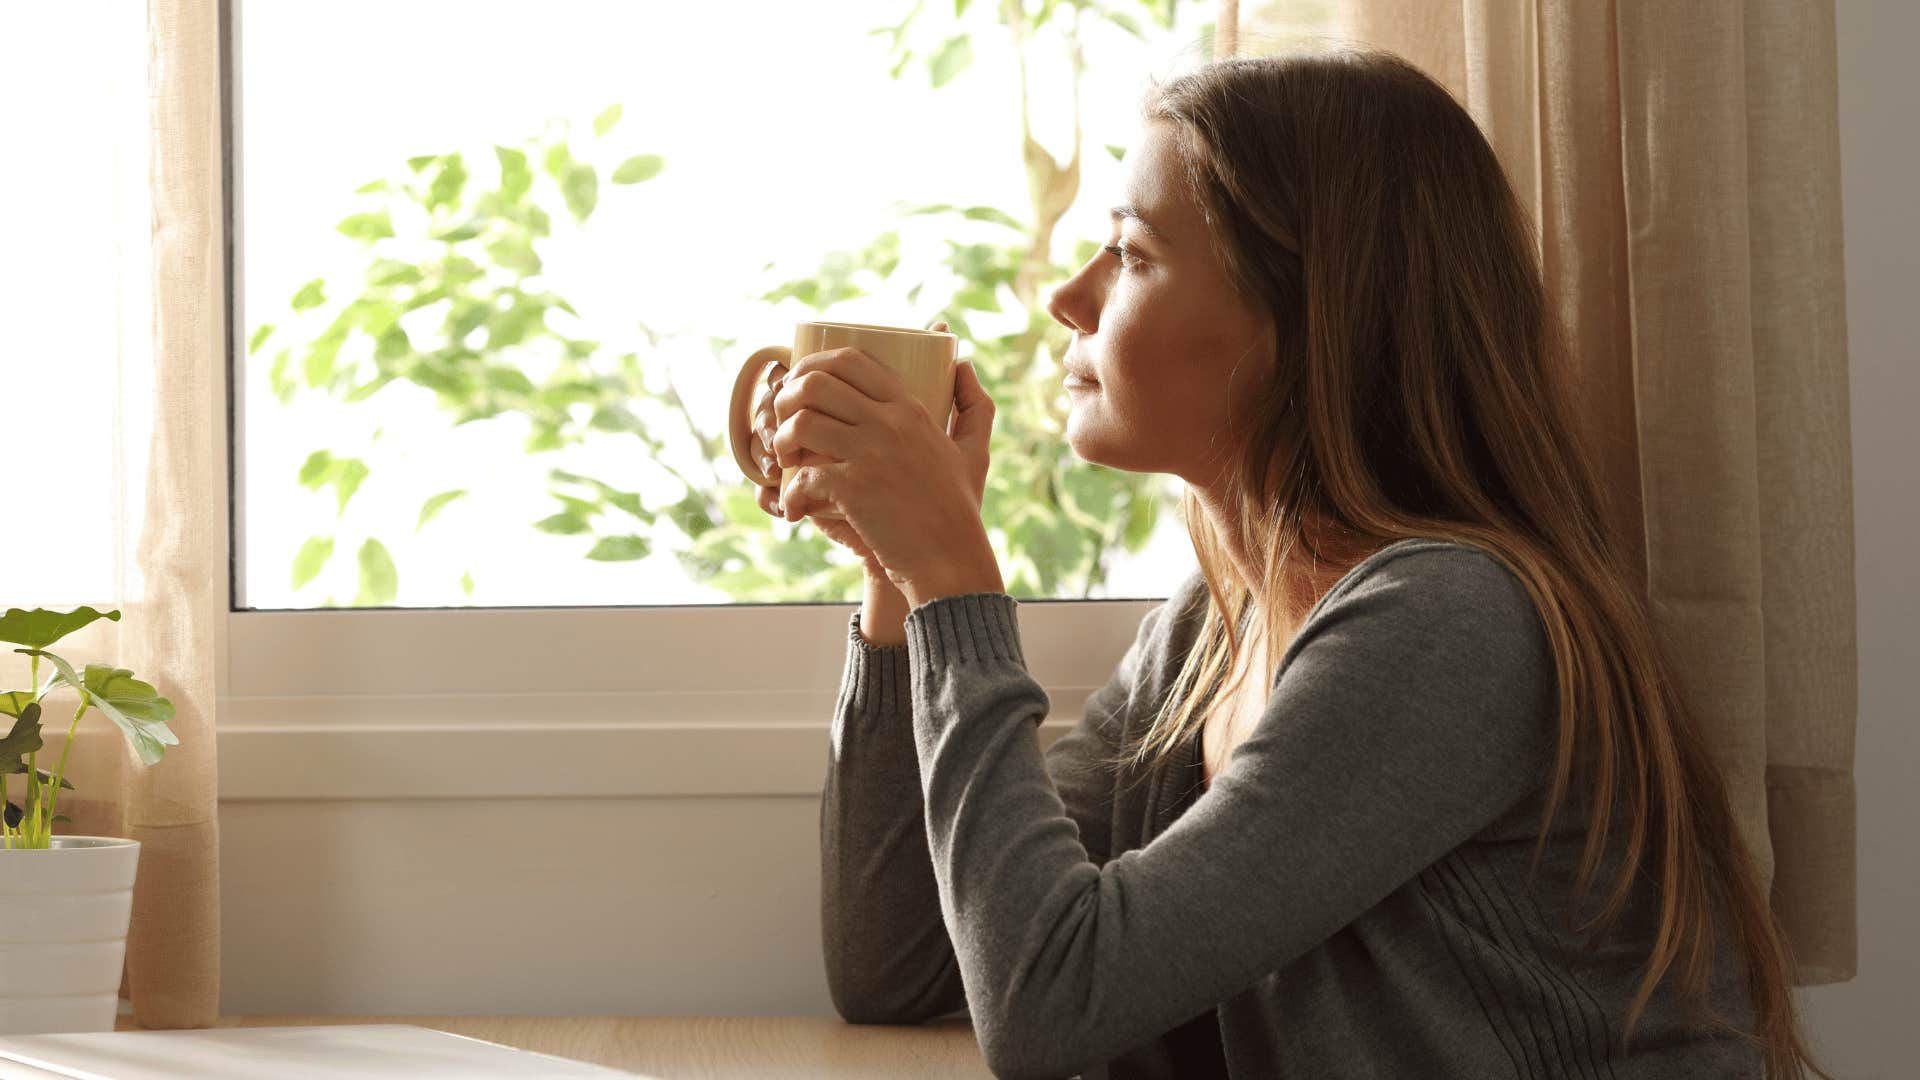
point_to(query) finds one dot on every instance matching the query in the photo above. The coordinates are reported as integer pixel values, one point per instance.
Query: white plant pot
(63, 933)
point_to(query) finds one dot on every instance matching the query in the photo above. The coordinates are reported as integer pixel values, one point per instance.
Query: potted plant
(64, 900)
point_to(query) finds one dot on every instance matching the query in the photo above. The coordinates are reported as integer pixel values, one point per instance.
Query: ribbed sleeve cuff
(968, 627)
(876, 680)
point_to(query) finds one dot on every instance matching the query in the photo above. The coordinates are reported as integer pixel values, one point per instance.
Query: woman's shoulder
(1431, 567)
(1421, 578)
(1420, 558)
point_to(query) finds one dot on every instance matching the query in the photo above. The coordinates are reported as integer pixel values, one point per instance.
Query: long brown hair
(1418, 391)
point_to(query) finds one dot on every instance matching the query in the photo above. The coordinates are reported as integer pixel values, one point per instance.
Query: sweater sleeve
(1412, 709)
(888, 957)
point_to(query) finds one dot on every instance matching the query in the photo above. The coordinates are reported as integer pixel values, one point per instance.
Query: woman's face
(1160, 329)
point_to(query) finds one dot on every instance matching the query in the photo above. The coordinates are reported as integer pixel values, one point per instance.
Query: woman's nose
(1071, 306)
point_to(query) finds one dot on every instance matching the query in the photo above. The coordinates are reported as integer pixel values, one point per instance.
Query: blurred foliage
(1059, 519)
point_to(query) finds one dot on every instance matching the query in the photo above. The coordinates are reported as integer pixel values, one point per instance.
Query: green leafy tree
(1062, 519)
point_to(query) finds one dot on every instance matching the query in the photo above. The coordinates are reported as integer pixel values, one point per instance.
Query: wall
(1865, 1029)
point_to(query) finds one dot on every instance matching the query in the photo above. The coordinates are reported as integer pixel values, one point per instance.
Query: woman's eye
(1119, 252)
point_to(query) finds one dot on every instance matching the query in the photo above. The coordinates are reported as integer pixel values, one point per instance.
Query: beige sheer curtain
(172, 545)
(1683, 164)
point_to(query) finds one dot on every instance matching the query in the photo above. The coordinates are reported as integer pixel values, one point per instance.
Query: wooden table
(674, 1047)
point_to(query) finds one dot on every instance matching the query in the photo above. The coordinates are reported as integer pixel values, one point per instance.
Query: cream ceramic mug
(924, 360)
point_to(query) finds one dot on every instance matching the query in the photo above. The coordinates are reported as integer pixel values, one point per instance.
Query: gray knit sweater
(1349, 897)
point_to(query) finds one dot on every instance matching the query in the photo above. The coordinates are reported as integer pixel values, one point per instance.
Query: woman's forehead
(1153, 187)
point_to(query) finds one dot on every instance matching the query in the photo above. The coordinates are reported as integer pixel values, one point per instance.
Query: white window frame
(709, 699)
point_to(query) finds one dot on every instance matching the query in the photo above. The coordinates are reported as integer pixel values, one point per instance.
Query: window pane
(499, 262)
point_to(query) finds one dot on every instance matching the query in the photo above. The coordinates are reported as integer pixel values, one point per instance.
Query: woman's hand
(765, 423)
(910, 489)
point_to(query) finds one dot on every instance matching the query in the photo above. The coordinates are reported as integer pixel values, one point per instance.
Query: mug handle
(740, 414)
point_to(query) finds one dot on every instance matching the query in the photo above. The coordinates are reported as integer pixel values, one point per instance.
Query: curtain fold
(1682, 163)
(172, 537)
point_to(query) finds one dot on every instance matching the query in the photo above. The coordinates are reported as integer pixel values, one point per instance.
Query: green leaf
(619, 549)
(367, 227)
(614, 419)
(373, 314)
(259, 338)
(311, 295)
(317, 366)
(993, 214)
(608, 117)
(343, 474)
(421, 162)
(951, 60)
(277, 379)
(639, 167)
(45, 779)
(508, 379)
(1118, 152)
(562, 524)
(133, 706)
(447, 186)
(690, 515)
(581, 186)
(373, 186)
(41, 627)
(515, 252)
(431, 508)
(24, 739)
(388, 272)
(379, 581)
(313, 555)
(466, 230)
(367, 389)
(516, 176)
(466, 583)
(977, 298)
(627, 501)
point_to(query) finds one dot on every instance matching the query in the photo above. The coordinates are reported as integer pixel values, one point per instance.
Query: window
(495, 275)
(611, 206)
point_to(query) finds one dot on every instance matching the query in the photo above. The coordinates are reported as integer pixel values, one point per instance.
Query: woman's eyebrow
(1128, 210)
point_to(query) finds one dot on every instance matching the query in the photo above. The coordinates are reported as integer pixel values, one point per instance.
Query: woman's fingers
(829, 406)
(764, 421)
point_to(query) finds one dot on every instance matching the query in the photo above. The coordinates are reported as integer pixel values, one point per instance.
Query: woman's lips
(1075, 382)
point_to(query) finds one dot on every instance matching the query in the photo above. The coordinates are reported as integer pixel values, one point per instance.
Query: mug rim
(879, 329)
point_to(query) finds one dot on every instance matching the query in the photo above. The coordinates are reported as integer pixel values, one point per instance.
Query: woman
(1313, 826)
